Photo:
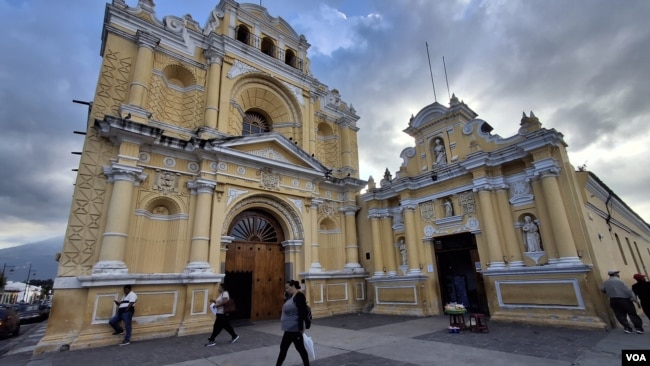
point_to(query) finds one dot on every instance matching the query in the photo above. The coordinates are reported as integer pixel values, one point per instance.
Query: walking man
(642, 290)
(125, 311)
(622, 300)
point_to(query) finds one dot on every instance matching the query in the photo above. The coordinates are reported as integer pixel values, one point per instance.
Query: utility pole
(29, 273)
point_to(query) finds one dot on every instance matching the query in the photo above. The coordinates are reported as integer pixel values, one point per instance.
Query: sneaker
(235, 339)
(628, 331)
(118, 333)
(125, 343)
(210, 344)
(639, 331)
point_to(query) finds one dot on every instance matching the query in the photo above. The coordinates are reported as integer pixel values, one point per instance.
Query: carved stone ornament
(466, 202)
(269, 180)
(427, 211)
(166, 182)
(240, 68)
(520, 192)
(326, 209)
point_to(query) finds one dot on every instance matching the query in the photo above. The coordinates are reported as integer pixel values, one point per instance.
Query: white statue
(531, 233)
(449, 208)
(441, 154)
(402, 251)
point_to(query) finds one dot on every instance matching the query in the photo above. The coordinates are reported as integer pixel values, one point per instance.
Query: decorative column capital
(117, 172)
(213, 56)
(201, 186)
(315, 202)
(349, 210)
(147, 40)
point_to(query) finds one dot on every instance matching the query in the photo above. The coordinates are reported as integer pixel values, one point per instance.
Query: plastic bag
(309, 345)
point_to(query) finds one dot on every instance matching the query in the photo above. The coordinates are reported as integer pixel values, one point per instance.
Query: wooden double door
(255, 266)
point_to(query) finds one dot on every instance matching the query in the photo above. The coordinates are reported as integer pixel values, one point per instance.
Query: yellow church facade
(213, 155)
(505, 226)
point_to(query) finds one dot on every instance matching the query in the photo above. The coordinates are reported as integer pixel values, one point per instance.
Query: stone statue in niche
(449, 208)
(531, 234)
(160, 210)
(440, 153)
(402, 251)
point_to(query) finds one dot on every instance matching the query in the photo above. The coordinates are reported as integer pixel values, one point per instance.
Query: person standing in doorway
(125, 310)
(642, 291)
(222, 320)
(294, 316)
(622, 300)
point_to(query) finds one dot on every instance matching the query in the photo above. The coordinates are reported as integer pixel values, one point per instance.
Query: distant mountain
(41, 255)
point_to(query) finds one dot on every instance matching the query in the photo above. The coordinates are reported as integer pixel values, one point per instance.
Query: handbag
(229, 306)
(309, 345)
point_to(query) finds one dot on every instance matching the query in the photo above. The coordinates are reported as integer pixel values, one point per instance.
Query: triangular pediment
(271, 149)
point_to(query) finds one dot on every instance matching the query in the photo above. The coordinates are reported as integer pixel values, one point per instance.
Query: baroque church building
(213, 155)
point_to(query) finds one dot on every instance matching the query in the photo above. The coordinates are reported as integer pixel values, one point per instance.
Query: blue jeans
(126, 317)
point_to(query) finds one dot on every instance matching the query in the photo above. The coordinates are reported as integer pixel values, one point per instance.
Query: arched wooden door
(255, 265)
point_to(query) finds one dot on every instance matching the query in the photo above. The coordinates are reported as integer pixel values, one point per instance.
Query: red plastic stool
(479, 323)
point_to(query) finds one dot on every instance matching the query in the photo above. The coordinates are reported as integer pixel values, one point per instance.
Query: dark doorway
(240, 288)
(460, 282)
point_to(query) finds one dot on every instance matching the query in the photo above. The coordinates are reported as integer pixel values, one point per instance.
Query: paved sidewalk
(366, 339)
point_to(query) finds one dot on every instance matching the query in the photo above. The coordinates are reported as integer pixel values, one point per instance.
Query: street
(30, 334)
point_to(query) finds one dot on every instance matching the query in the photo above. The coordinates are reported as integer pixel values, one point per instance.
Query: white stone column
(411, 239)
(113, 245)
(378, 260)
(142, 68)
(351, 246)
(199, 248)
(215, 59)
(559, 220)
(313, 216)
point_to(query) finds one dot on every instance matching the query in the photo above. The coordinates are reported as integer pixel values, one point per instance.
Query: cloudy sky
(581, 65)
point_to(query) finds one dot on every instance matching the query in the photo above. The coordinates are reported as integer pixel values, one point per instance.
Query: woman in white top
(222, 320)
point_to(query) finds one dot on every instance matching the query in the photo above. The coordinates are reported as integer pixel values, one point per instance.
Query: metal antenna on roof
(435, 98)
(447, 80)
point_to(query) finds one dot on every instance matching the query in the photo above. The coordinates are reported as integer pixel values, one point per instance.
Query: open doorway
(458, 272)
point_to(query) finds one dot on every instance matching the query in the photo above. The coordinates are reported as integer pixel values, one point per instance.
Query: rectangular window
(620, 248)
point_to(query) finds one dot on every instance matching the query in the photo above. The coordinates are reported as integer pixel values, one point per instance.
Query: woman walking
(294, 315)
(223, 320)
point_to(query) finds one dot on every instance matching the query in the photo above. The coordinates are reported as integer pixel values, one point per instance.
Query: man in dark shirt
(642, 290)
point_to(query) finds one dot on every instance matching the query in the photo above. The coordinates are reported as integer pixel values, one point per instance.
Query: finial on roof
(454, 100)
